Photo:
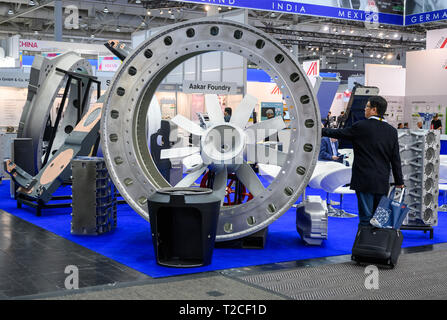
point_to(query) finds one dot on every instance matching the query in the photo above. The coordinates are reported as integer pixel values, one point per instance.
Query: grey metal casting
(44, 86)
(419, 150)
(123, 124)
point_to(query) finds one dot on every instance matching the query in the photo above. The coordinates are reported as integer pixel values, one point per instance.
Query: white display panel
(390, 79)
(12, 101)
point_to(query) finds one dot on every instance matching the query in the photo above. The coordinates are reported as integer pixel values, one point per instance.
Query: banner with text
(423, 11)
(379, 11)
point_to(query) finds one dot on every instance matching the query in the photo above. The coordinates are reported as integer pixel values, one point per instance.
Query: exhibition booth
(182, 109)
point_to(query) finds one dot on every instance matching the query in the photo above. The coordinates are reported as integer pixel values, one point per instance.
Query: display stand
(39, 204)
(420, 228)
(254, 241)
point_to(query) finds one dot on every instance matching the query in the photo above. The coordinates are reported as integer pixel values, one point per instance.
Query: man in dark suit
(329, 150)
(376, 152)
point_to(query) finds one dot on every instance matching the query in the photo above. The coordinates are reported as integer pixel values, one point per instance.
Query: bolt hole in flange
(125, 124)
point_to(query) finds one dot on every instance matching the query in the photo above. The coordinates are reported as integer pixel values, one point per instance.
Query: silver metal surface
(420, 157)
(312, 220)
(44, 86)
(123, 125)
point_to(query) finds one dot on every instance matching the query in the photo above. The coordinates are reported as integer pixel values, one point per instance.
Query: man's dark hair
(228, 110)
(379, 103)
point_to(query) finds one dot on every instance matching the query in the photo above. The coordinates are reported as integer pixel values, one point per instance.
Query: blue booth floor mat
(131, 244)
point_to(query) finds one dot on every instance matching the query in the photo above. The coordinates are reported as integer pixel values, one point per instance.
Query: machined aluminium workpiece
(124, 125)
(45, 83)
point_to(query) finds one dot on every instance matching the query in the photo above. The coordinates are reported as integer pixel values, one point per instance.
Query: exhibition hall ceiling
(310, 36)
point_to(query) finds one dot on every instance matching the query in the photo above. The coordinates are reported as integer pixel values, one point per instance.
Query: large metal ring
(123, 125)
(45, 84)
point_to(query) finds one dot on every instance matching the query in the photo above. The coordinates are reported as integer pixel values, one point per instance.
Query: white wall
(388, 78)
(426, 83)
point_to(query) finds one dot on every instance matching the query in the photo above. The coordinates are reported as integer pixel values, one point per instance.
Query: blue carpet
(131, 244)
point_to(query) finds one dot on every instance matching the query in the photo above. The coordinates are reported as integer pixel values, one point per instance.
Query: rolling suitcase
(377, 245)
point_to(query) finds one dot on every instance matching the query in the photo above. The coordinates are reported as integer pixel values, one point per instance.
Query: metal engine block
(312, 220)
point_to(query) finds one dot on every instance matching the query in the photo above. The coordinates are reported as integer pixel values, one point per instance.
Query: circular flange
(123, 124)
(45, 84)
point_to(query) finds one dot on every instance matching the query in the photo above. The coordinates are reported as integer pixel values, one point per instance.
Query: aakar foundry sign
(211, 87)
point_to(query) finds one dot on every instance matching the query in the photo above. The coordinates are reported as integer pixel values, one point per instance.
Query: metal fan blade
(220, 184)
(250, 180)
(178, 152)
(188, 125)
(189, 179)
(259, 153)
(261, 130)
(214, 109)
(243, 112)
(192, 163)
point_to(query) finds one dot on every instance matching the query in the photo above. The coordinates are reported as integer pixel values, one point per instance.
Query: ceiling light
(105, 10)
(396, 35)
(32, 3)
(352, 60)
(10, 12)
(148, 12)
(371, 55)
(351, 54)
(343, 31)
(380, 34)
(389, 56)
(92, 36)
(118, 29)
(352, 31)
(219, 8)
(161, 11)
(172, 16)
(170, 11)
(138, 1)
(355, 66)
(325, 28)
(379, 56)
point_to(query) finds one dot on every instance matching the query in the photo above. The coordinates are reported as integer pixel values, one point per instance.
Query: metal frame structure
(47, 78)
(123, 125)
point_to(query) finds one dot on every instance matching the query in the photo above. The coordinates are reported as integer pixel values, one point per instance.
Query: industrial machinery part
(79, 142)
(312, 220)
(94, 197)
(121, 50)
(123, 125)
(355, 110)
(419, 152)
(183, 225)
(46, 80)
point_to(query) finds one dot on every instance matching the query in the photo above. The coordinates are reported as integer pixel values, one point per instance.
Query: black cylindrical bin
(183, 225)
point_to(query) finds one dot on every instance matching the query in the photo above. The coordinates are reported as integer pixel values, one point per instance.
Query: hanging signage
(436, 39)
(424, 11)
(312, 69)
(387, 12)
(212, 87)
(108, 63)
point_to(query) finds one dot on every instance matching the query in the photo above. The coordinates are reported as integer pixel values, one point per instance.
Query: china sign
(108, 63)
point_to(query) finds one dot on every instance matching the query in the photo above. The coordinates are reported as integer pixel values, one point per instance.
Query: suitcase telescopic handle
(393, 192)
